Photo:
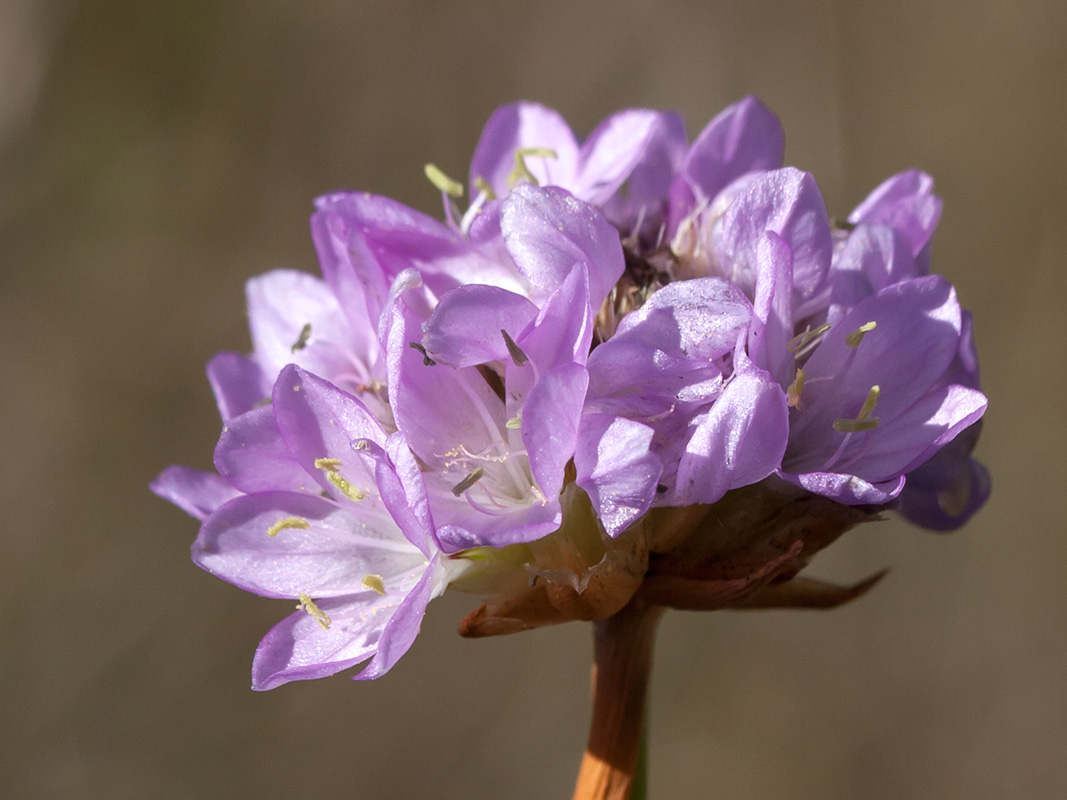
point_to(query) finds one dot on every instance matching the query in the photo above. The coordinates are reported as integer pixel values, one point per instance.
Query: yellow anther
(795, 388)
(868, 405)
(803, 339)
(855, 425)
(309, 606)
(438, 178)
(345, 487)
(374, 583)
(514, 350)
(542, 152)
(515, 423)
(328, 464)
(289, 522)
(863, 420)
(520, 172)
(482, 185)
(472, 478)
(853, 339)
(302, 340)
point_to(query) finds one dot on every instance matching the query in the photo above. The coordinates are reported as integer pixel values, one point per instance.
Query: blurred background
(153, 156)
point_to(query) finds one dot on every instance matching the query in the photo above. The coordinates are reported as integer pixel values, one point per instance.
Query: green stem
(640, 785)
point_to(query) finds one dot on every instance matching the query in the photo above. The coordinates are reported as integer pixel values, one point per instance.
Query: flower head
(631, 365)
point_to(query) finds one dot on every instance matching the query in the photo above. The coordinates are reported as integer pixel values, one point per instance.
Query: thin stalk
(640, 785)
(623, 645)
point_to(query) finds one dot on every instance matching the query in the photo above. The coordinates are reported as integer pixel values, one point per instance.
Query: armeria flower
(296, 318)
(635, 166)
(889, 242)
(625, 167)
(786, 202)
(872, 394)
(320, 506)
(744, 140)
(677, 414)
(494, 462)
(632, 371)
(946, 491)
(488, 384)
(906, 203)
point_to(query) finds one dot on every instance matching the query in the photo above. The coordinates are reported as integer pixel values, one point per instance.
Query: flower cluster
(630, 364)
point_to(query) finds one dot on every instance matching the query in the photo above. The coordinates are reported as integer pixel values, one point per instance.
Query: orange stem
(623, 646)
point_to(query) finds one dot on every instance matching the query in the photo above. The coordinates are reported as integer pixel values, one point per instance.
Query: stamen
(331, 465)
(374, 583)
(795, 388)
(520, 172)
(374, 386)
(685, 238)
(425, 356)
(462, 454)
(863, 420)
(855, 425)
(309, 606)
(868, 405)
(635, 230)
(289, 522)
(496, 436)
(482, 185)
(472, 478)
(514, 350)
(302, 340)
(345, 487)
(853, 339)
(661, 414)
(802, 340)
(437, 177)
